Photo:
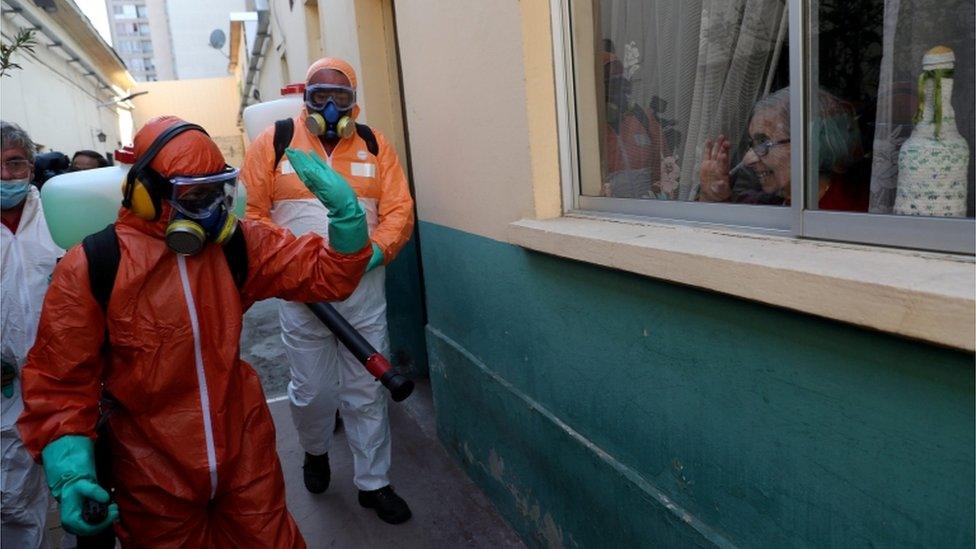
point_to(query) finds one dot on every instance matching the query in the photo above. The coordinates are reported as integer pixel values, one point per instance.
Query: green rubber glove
(377, 258)
(69, 463)
(9, 375)
(347, 221)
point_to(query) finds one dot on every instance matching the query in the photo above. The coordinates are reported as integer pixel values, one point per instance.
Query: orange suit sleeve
(395, 208)
(258, 174)
(62, 376)
(297, 268)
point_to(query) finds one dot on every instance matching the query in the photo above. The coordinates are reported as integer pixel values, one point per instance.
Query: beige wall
(190, 25)
(162, 42)
(466, 102)
(53, 101)
(209, 102)
(289, 40)
(379, 81)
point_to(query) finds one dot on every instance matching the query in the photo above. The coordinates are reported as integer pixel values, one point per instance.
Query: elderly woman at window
(841, 185)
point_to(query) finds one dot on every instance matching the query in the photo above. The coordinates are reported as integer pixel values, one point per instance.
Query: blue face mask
(332, 114)
(13, 192)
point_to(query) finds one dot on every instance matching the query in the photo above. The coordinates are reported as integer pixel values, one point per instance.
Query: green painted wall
(405, 312)
(603, 409)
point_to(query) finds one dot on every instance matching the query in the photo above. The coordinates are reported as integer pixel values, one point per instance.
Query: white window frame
(955, 235)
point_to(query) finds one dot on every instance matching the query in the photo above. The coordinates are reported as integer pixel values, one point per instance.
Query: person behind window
(632, 139)
(87, 160)
(842, 183)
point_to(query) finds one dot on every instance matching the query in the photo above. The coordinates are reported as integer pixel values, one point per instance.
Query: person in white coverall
(324, 374)
(28, 259)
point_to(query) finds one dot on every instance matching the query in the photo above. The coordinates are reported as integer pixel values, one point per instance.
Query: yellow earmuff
(142, 203)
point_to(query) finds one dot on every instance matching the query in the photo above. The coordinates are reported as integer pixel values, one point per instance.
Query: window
(147, 46)
(777, 115)
(141, 12)
(143, 29)
(124, 11)
(895, 80)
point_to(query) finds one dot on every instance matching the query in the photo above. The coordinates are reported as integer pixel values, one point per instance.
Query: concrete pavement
(448, 509)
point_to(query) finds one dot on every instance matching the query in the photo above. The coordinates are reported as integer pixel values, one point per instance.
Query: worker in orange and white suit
(325, 376)
(192, 443)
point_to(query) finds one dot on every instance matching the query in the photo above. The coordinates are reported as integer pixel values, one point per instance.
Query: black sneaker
(389, 507)
(316, 473)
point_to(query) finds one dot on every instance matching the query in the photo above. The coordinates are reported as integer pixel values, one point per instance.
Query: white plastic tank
(77, 204)
(260, 116)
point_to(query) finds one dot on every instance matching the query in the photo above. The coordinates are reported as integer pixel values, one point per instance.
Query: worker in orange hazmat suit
(326, 376)
(193, 460)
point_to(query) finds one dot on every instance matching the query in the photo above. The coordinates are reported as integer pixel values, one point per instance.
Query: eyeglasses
(17, 167)
(761, 144)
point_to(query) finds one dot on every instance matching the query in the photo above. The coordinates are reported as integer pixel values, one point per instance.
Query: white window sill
(921, 295)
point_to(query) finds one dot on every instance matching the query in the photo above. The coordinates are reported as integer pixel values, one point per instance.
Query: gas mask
(202, 211)
(330, 110)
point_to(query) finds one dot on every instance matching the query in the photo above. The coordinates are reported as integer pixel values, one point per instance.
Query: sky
(98, 14)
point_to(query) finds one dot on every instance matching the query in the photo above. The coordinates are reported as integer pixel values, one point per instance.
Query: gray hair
(12, 135)
(835, 126)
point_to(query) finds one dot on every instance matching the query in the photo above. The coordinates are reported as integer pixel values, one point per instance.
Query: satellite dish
(217, 39)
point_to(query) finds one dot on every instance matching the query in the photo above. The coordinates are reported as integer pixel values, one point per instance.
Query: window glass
(125, 11)
(666, 91)
(892, 107)
(141, 12)
(144, 29)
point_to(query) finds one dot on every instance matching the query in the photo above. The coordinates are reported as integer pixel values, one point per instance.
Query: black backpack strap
(285, 129)
(102, 251)
(103, 254)
(369, 137)
(235, 251)
(283, 132)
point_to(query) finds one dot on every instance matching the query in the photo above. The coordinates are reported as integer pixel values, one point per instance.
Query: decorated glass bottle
(933, 162)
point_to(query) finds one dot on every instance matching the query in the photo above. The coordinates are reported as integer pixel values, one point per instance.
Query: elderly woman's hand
(715, 184)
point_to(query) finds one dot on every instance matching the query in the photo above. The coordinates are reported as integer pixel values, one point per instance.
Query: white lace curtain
(912, 27)
(703, 65)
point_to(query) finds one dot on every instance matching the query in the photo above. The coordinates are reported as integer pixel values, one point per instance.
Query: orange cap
(334, 64)
(190, 153)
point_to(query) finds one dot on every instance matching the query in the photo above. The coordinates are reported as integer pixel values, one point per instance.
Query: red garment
(193, 445)
(11, 217)
(634, 143)
(845, 196)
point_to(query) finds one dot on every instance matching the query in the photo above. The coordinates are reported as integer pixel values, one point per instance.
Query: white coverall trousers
(25, 493)
(325, 376)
